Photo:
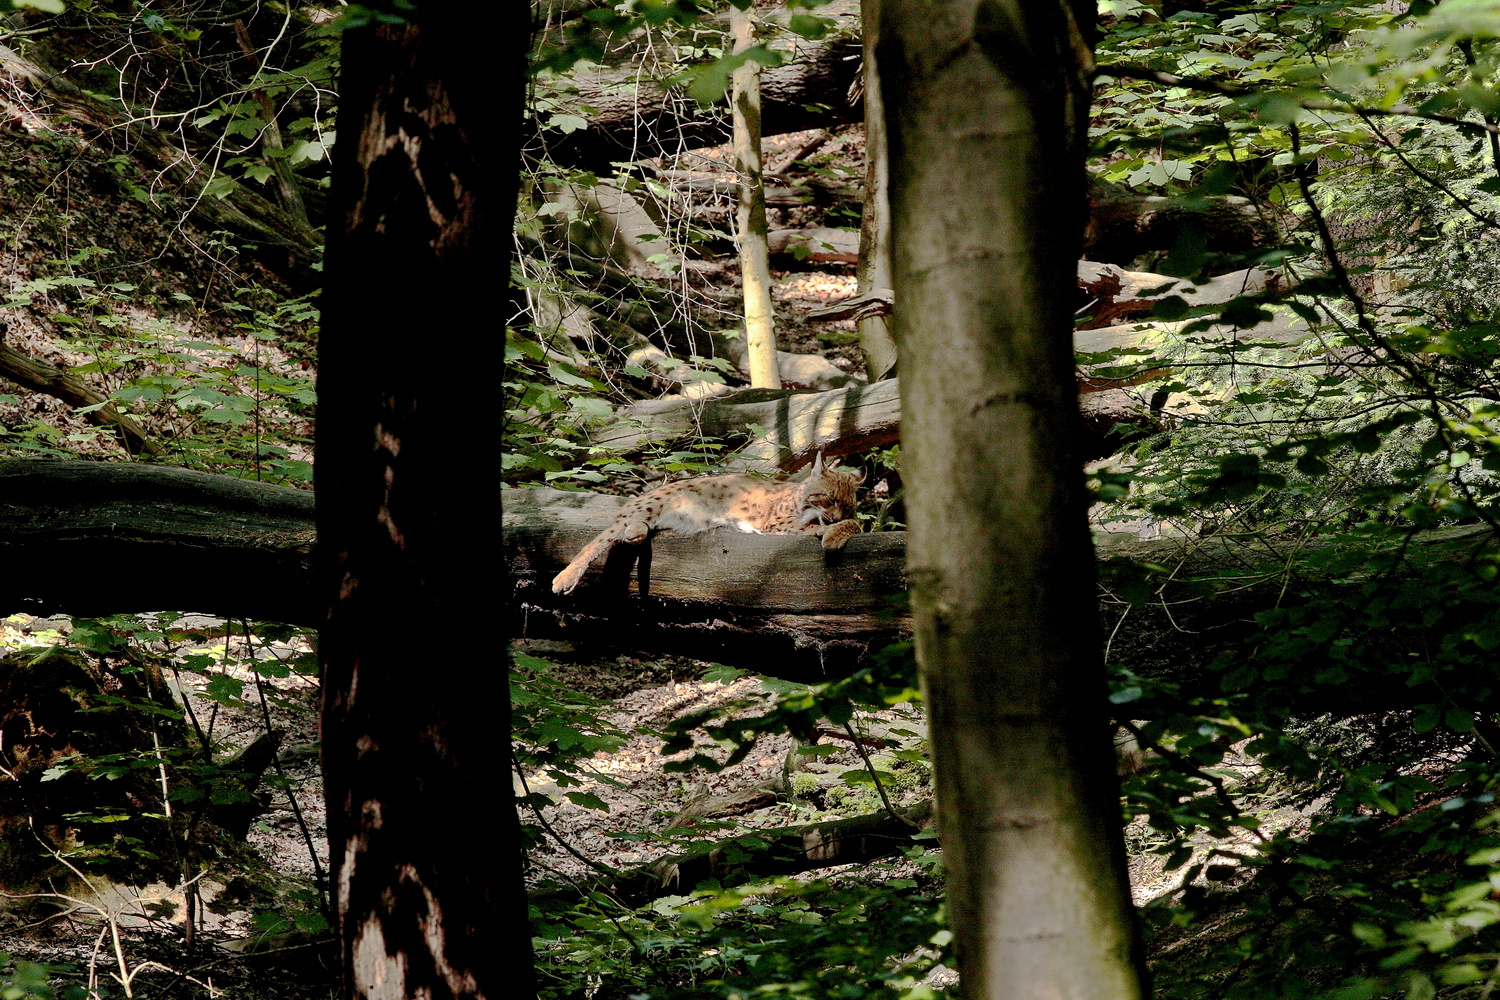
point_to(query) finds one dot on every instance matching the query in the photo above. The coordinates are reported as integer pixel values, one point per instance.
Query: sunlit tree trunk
(987, 114)
(416, 714)
(760, 319)
(874, 271)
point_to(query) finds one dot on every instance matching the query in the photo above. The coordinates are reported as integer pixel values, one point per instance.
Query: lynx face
(831, 498)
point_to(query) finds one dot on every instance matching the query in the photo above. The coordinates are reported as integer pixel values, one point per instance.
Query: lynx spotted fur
(821, 505)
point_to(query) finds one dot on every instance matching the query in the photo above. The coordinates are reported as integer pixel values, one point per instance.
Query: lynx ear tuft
(817, 466)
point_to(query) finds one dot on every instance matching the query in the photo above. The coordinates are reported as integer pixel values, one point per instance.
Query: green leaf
(566, 124)
(709, 83)
(1170, 307)
(587, 800)
(810, 26)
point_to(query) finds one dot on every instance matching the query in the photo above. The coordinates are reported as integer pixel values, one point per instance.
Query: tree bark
(874, 270)
(755, 264)
(987, 117)
(415, 734)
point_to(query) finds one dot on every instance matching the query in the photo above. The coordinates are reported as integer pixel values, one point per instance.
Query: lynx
(821, 505)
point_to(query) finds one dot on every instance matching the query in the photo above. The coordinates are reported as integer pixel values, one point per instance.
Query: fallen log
(794, 426)
(774, 603)
(39, 376)
(95, 538)
(98, 538)
(634, 115)
(840, 422)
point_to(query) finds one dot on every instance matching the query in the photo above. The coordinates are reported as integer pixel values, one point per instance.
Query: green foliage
(557, 730)
(151, 772)
(210, 404)
(777, 937)
(1322, 785)
(21, 980)
(784, 707)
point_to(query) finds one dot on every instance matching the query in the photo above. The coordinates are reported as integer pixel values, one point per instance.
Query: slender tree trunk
(415, 731)
(874, 270)
(988, 109)
(755, 267)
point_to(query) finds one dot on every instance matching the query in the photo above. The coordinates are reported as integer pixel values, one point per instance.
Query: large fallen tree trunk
(94, 538)
(773, 603)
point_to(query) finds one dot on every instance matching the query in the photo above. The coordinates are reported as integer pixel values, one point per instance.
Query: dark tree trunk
(415, 719)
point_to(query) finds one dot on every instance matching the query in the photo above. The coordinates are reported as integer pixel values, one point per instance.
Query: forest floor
(238, 953)
(649, 812)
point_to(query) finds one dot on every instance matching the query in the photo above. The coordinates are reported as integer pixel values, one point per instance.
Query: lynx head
(828, 492)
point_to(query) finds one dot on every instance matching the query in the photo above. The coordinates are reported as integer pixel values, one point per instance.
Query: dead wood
(703, 187)
(839, 422)
(96, 538)
(177, 539)
(818, 244)
(707, 806)
(762, 854)
(796, 426)
(777, 601)
(1124, 225)
(39, 376)
(633, 116)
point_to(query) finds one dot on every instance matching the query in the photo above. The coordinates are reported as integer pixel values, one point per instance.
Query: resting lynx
(822, 505)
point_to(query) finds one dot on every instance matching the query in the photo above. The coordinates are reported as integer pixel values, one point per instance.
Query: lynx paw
(564, 582)
(836, 535)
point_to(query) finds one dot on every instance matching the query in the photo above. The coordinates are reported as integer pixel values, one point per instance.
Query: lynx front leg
(835, 536)
(564, 582)
(631, 534)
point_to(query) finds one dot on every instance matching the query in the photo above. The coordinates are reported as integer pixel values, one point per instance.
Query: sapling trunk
(760, 319)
